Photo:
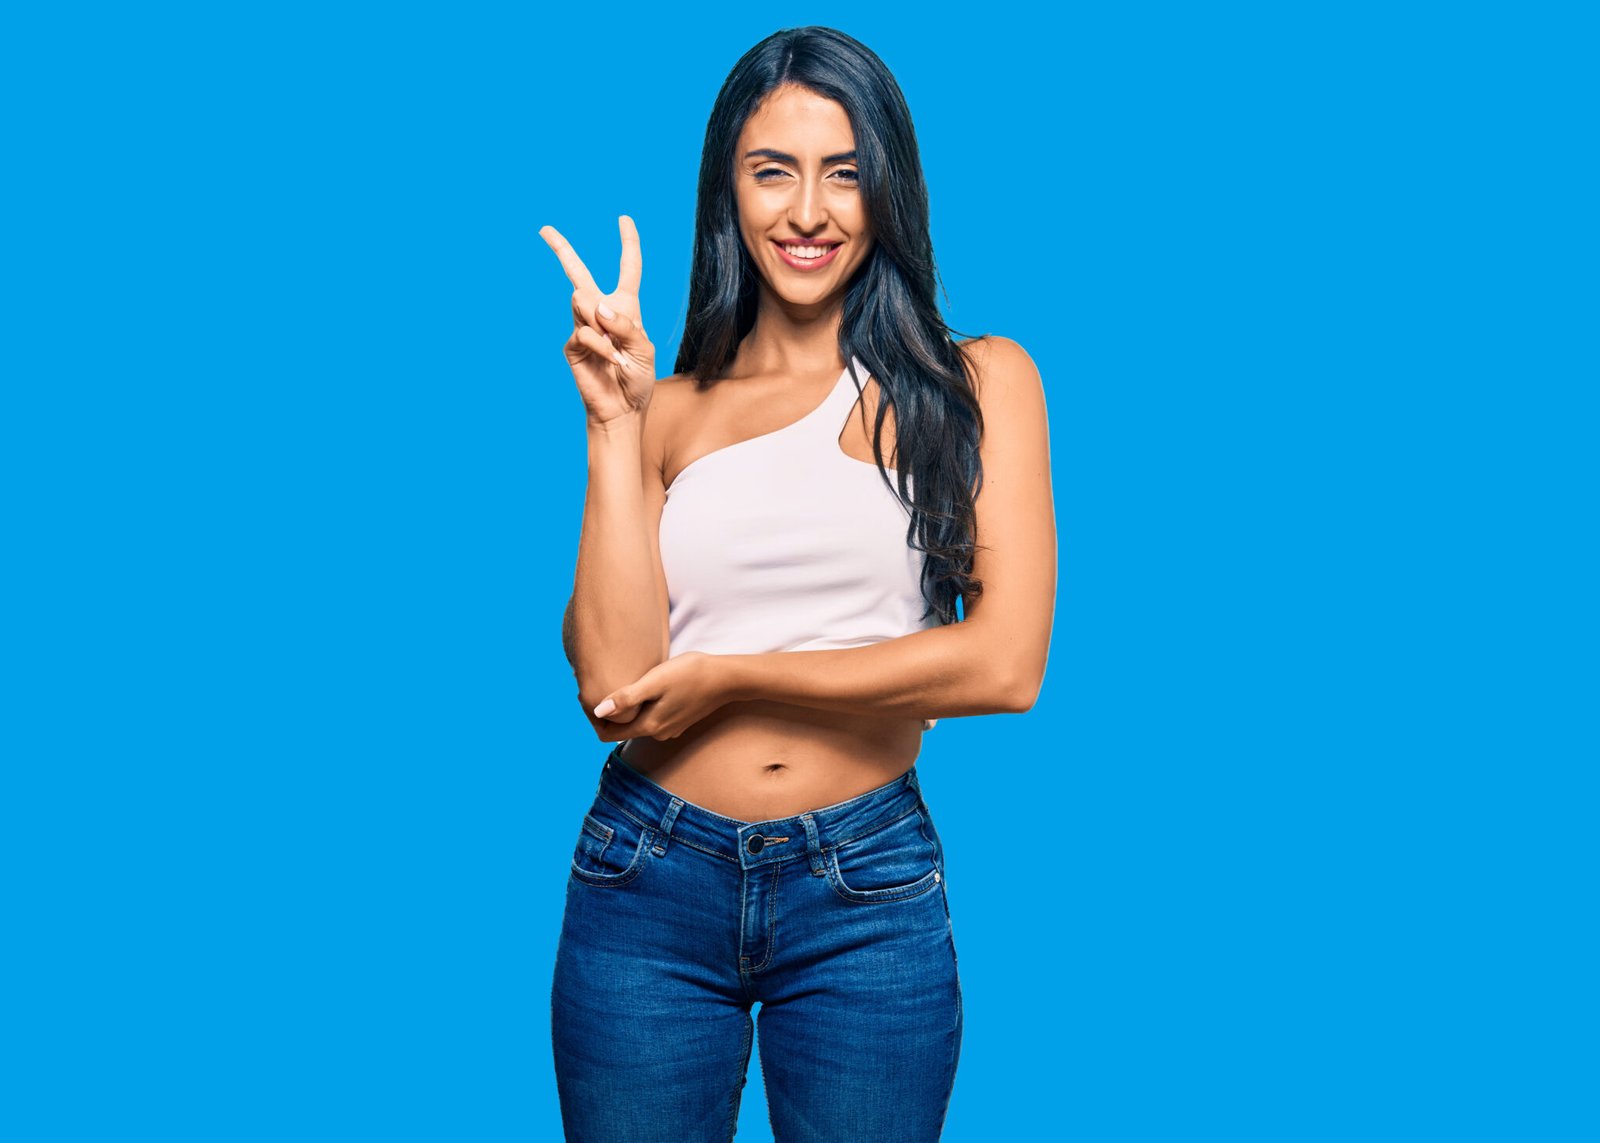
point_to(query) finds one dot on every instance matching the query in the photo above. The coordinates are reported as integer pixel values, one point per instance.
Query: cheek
(753, 224)
(743, 207)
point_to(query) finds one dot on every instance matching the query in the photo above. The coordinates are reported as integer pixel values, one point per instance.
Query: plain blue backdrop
(1298, 843)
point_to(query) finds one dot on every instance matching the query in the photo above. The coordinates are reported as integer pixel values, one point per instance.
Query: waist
(781, 834)
(758, 760)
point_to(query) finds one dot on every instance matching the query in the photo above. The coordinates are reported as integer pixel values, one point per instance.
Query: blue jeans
(679, 919)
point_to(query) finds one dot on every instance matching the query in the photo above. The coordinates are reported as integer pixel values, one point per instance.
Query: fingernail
(617, 357)
(606, 311)
(604, 708)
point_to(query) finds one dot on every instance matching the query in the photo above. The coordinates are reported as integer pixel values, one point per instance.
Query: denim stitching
(893, 893)
(772, 916)
(872, 829)
(611, 880)
(873, 896)
(623, 811)
(605, 836)
(778, 874)
(677, 839)
(744, 903)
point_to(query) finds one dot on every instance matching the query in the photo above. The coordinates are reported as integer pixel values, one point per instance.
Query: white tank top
(783, 543)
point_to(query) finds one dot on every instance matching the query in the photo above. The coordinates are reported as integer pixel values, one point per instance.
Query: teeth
(807, 251)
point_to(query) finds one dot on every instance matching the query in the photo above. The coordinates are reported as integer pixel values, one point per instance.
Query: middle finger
(632, 261)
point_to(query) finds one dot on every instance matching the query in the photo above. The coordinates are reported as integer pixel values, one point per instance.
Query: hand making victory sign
(612, 359)
(614, 363)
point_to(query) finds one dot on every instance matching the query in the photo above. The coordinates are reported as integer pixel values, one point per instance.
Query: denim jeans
(678, 920)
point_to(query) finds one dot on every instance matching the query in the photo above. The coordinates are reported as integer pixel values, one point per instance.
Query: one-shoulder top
(784, 543)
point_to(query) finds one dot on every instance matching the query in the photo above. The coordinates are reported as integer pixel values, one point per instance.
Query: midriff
(760, 760)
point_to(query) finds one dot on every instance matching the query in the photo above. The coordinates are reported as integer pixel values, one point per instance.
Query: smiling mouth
(805, 256)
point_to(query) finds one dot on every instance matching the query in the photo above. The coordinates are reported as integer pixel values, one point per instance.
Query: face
(800, 208)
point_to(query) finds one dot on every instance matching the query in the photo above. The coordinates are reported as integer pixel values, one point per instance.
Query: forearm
(614, 626)
(940, 672)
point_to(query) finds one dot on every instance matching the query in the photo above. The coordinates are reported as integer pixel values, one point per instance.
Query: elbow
(1021, 691)
(594, 685)
(590, 694)
(602, 727)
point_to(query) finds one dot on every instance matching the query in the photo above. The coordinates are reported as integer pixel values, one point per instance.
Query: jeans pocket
(611, 846)
(891, 863)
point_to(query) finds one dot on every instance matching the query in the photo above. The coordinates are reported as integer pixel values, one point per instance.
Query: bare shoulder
(1004, 375)
(668, 396)
(668, 402)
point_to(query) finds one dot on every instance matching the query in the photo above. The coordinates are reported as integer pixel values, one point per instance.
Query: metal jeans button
(755, 843)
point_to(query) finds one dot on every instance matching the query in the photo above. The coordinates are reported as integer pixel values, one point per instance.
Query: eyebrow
(783, 157)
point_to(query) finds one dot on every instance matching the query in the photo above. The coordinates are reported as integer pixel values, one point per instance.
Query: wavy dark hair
(891, 318)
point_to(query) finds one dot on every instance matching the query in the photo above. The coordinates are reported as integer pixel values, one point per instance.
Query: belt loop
(813, 844)
(667, 819)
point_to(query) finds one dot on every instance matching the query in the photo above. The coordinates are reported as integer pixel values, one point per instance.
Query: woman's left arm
(991, 662)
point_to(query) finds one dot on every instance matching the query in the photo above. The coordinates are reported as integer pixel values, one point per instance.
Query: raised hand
(612, 359)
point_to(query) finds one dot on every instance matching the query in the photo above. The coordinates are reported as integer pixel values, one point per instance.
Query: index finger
(632, 260)
(577, 273)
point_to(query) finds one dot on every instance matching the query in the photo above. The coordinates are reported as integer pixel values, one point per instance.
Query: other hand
(667, 699)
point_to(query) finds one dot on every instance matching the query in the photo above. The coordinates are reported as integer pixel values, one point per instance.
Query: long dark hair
(891, 318)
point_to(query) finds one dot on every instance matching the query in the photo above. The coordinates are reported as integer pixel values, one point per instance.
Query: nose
(807, 211)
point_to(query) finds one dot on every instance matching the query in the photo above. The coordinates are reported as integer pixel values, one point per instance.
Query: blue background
(1299, 841)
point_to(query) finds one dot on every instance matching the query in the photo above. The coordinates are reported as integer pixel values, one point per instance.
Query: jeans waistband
(753, 843)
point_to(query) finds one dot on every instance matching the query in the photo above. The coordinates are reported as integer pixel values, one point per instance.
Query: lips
(808, 263)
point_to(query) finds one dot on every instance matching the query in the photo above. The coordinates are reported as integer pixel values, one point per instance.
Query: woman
(764, 621)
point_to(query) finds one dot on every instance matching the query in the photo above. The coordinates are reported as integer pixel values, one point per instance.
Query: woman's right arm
(615, 627)
(616, 623)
